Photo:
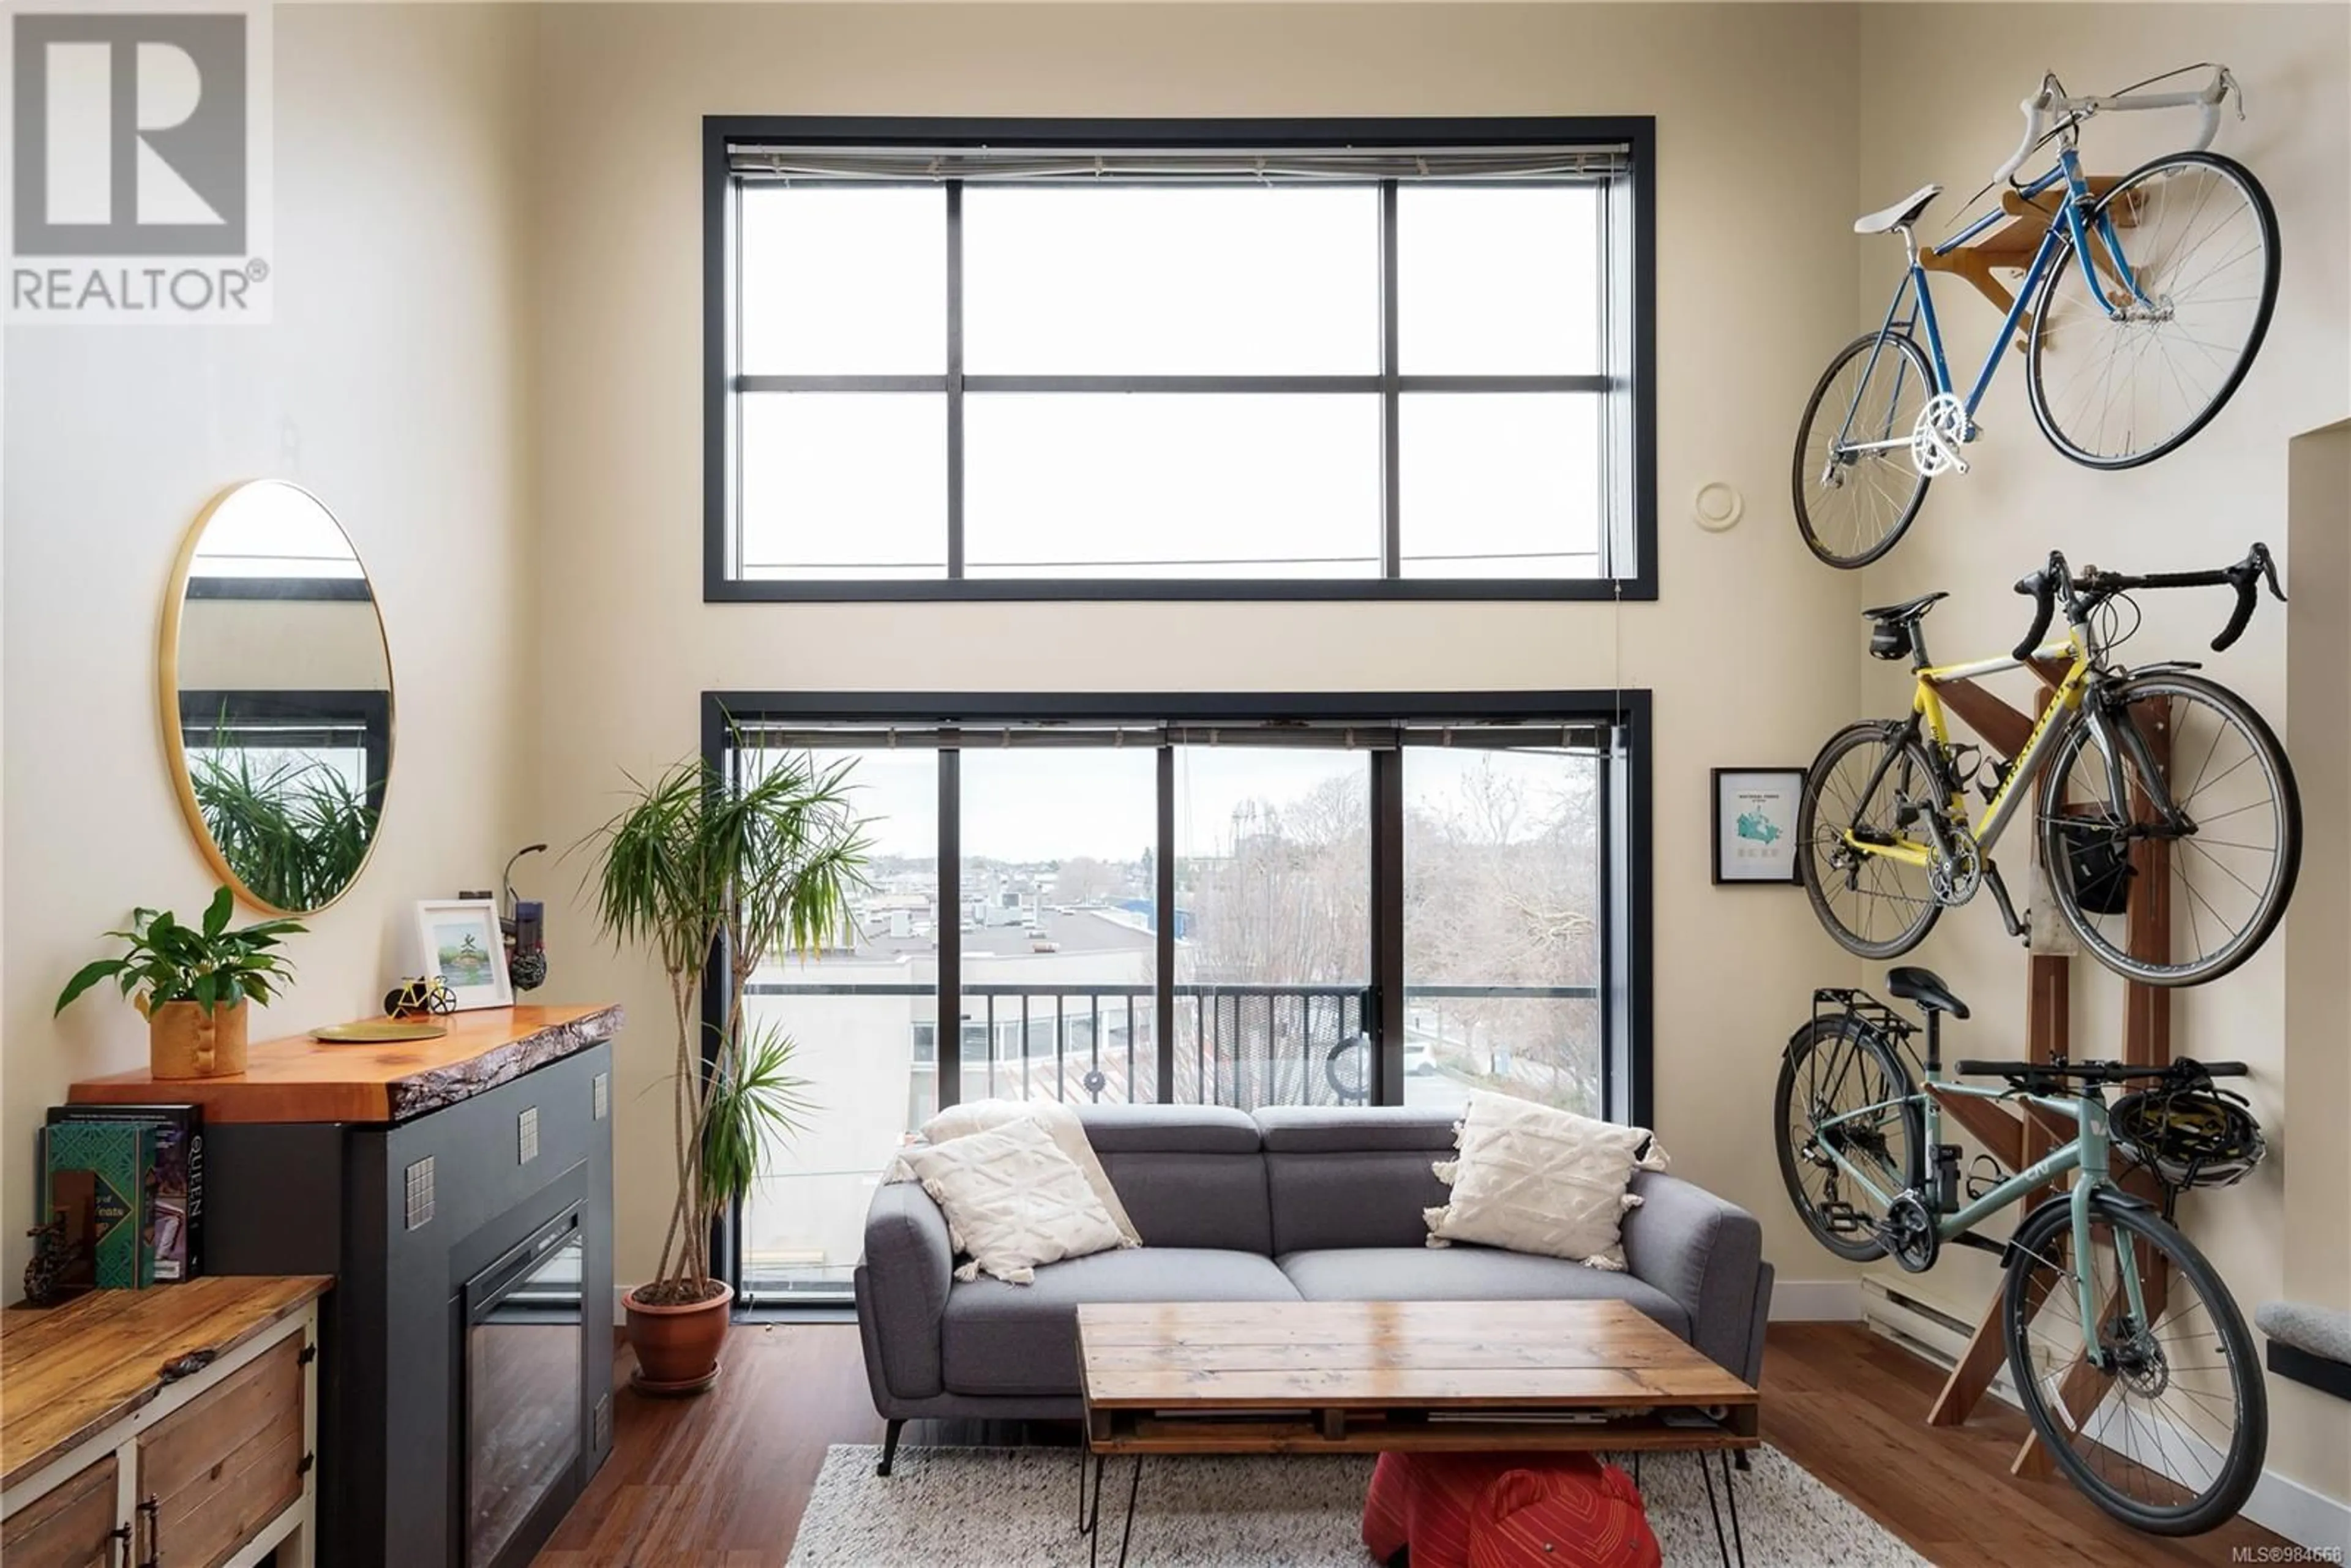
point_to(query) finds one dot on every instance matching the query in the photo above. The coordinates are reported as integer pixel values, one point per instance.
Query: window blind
(755, 160)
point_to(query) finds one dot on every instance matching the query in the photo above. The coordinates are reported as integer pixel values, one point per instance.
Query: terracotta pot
(677, 1347)
(187, 1039)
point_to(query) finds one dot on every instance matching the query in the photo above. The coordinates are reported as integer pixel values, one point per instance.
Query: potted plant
(192, 983)
(763, 862)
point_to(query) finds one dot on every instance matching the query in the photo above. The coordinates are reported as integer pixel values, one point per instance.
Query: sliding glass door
(1148, 901)
(1274, 903)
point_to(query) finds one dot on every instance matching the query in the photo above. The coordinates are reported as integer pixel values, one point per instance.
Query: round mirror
(276, 697)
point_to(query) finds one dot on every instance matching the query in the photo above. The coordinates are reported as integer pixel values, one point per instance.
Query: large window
(1404, 359)
(1199, 900)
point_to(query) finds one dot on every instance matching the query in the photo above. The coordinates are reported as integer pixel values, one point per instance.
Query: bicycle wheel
(1853, 505)
(1873, 906)
(2196, 232)
(1839, 1073)
(2232, 865)
(1347, 1068)
(2169, 1436)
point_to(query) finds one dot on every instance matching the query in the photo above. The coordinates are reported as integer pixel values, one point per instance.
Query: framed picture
(459, 940)
(1755, 824)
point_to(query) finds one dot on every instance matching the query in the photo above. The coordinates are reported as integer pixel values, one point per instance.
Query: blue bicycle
(2141, 310)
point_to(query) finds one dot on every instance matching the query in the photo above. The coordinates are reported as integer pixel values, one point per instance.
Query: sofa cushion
(1169, 1129)
(1180, 1198)
(1354, 1129)
(1456, 1273)
(1366, 1197)
(1023, 1339)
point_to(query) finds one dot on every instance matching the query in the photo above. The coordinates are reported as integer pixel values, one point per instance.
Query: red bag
(1495, 1510)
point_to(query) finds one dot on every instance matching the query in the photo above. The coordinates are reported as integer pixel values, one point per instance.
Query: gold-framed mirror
(275, 685)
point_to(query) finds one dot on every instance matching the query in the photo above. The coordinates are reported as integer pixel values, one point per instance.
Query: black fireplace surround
(467, 1348)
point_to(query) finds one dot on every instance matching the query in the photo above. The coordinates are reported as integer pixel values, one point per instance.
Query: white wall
(1751, 651)
(1939, 91)
(391, 382)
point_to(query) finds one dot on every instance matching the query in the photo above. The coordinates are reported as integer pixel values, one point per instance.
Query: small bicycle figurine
(2142, 309)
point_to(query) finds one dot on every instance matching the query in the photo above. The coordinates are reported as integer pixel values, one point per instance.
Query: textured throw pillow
(1013, 1200)
(1061, 1121)
(1533, 1180)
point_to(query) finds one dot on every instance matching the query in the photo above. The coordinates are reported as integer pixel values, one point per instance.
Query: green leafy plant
(761, 859)
(210, 964)
(295, 830)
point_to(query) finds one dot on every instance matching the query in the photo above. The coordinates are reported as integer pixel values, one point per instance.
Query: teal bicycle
(2141, 310)
(2127, 1352)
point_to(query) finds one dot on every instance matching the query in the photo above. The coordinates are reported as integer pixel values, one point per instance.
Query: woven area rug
(991, 1508)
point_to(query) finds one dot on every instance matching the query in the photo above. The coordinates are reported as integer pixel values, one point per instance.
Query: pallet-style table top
(70, 1371)
(1386, 1374)
(298, 1079)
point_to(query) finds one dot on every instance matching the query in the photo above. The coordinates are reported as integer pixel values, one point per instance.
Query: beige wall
(391, 383)
(280, 645)
(1755, 131)
(1938, 91)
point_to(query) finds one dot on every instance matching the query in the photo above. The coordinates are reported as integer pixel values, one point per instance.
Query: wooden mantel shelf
(300, 1080)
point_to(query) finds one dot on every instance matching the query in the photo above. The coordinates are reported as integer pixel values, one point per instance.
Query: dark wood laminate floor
(720, 1482)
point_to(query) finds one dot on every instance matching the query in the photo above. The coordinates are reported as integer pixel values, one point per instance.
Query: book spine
(145, 1182)
(194, 1130)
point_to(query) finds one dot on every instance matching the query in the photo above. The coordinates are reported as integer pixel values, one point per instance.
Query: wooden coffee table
(1347, 1377)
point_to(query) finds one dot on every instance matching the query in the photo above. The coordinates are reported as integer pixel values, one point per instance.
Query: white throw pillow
(1013, 1200)
(1533, 1180)
(1061, 1121)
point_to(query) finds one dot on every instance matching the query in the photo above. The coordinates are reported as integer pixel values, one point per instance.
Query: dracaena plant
(168, 960)
(758, 860)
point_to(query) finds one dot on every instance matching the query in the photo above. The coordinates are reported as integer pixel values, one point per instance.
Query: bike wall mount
(2018, 1135)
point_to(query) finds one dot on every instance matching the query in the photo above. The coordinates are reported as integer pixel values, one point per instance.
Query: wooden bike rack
(2018, 1135)
(2010, 248)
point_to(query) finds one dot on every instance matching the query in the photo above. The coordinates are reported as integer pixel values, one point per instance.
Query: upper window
(1304, 360)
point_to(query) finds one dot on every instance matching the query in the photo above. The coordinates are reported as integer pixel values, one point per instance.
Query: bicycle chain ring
(1909, 1233)
(1957, 877)
(1936, 439)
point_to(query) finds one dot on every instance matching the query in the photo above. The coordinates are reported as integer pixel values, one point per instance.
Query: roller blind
(756, 160)
(1331, 735)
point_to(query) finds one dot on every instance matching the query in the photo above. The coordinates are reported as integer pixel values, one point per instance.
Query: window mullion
(955, 379)
(1391, 486)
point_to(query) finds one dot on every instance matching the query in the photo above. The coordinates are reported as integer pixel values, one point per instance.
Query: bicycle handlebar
(2073, 110)
(2245, 576)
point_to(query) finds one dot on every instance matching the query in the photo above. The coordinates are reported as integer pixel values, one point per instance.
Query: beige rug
(993, 1508)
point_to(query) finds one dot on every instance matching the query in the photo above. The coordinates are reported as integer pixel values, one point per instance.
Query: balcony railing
(1237, 1045)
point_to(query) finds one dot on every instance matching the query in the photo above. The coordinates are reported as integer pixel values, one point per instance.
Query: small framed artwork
(1755, 824)
(460, 941)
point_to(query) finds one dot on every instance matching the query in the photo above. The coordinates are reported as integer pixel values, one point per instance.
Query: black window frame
(1626, 967)
(1637, 526)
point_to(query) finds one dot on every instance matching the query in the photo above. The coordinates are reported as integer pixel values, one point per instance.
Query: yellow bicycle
(2153, 756)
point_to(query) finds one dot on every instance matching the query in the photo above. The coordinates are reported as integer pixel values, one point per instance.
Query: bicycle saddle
(1901, 214)
(1925, 988)
(1908, 611)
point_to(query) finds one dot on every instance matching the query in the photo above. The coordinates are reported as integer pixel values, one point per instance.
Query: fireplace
(526, 1391)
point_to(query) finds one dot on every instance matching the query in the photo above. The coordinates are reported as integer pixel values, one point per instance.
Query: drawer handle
(120, 1536)
(151, 1512)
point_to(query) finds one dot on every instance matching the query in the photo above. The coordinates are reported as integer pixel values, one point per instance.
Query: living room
(1235, 542)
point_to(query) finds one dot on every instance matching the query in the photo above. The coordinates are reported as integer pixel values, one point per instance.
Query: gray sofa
(1287, 1205)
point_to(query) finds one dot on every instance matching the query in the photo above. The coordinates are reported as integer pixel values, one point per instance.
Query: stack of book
(127, 1182)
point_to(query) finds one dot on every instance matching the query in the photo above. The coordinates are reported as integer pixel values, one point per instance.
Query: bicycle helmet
(2190, 1134)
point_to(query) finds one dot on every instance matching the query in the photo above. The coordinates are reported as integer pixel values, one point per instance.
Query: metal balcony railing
(1242, 1045)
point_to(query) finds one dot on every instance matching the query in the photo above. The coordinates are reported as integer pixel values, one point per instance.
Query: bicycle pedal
(1843, 1219)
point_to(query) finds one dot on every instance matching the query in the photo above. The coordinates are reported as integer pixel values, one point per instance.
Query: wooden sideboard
(173, 1425)
(428, 1177)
